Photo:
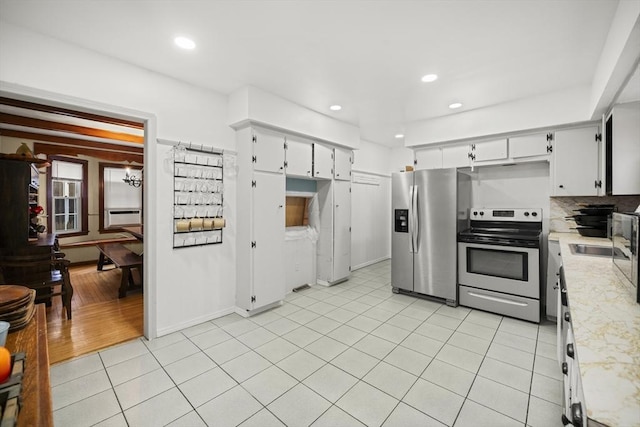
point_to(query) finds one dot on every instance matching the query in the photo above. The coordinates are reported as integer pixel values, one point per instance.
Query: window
(67, 206)
(67, 196)
(120, 203)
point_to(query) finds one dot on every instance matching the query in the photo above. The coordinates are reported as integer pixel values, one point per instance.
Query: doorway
(74, 113)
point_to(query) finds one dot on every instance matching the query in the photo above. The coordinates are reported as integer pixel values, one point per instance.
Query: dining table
(136, 231)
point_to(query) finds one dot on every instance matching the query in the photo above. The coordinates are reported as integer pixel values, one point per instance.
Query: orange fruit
(5, 364)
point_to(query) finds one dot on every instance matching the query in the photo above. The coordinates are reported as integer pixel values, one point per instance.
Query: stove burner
(509, 232)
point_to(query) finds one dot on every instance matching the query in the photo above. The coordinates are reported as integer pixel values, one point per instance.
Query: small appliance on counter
(429, 208)
(499, 262)
(625, 235)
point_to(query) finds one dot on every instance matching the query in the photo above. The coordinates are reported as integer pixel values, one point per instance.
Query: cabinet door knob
(561, 186)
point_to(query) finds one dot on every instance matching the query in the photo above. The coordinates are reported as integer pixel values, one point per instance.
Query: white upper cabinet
(489, 150)
(268, 151)
(429, 158)
(299, 158)
(575, 162)
(622, 159)
(322, 161)
(342, 167)
(456, 156)
(530, 145)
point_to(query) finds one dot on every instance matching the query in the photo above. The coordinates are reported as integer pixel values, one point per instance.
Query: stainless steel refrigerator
(429, 208)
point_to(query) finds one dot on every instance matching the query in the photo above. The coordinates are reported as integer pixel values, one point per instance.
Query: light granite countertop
(606, 325)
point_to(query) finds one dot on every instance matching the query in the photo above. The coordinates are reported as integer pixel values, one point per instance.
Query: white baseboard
(368, 263)
(249, 313)
(194, 322)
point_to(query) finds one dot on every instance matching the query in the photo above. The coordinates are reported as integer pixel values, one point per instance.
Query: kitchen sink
(594, 250)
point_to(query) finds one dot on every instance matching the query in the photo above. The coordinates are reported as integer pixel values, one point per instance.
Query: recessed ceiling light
(455, 105)
(335, 107)
(185, 43)
(430, 78)
(399, 135)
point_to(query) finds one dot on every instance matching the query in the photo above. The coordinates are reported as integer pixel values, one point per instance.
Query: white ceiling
(367, 56)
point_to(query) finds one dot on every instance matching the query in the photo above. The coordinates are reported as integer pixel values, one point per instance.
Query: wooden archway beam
(76, 142)
(65, 127)
(68, 112)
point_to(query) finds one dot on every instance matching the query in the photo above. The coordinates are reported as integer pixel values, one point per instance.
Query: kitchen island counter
(606, 325)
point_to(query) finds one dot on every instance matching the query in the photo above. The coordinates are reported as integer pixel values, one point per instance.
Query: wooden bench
(124, 259)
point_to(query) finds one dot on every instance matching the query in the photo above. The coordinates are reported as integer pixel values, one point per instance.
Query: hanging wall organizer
(198, 188)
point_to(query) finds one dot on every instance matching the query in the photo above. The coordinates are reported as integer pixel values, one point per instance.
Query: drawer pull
(502, 300)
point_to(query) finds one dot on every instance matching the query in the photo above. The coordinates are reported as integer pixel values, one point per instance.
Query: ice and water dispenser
(401, 221)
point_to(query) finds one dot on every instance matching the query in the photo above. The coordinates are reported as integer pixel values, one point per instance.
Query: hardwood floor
(100, 318)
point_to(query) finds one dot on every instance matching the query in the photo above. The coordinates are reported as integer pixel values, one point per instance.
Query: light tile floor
(349, 355)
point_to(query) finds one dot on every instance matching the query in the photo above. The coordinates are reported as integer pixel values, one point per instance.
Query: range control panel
(495, 214)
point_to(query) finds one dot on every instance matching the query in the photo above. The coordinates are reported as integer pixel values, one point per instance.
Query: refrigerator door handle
(410, 219)
(415, 226)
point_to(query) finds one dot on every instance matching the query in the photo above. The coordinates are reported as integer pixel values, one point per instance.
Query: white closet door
(268, 236)
(342, 230)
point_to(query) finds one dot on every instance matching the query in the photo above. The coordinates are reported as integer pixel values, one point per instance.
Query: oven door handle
(496, 299)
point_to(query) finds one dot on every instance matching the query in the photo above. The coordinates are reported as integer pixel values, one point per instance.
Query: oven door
(507, 269)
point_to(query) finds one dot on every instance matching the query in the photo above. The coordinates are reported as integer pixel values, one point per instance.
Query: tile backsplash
(562, 207)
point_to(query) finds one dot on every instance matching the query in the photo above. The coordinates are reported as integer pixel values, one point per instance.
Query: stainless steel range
(499, 262)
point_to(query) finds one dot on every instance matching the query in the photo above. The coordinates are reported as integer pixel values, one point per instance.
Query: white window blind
(117, 193)
(66, 170)
(122, 202)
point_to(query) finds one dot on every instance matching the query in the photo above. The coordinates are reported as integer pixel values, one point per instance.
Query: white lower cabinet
(573, 403)
(554, 261)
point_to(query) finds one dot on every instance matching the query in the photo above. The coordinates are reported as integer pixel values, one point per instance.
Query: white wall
(545, 110)
(525, 185)
(618, 58)
(193, 284)
(370, 205)
(250, 104)
(401, 157)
